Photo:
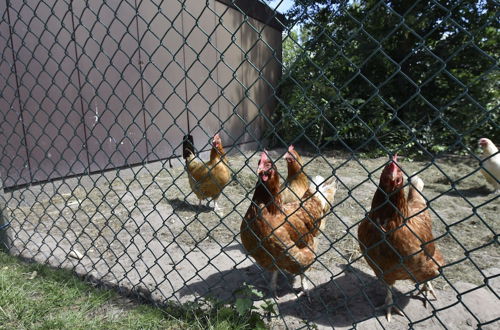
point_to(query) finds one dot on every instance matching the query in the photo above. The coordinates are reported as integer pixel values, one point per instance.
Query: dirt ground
(140, 228)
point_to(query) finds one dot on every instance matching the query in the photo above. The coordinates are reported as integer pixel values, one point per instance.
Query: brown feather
(281, 236)
(297, 182)
(207, 180)
(395, 237)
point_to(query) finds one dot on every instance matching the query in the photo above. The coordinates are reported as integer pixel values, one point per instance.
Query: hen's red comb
(263, 156)
(393, 164)
(291, 148)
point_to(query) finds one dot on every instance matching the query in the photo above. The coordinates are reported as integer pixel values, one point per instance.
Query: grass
(34, 296)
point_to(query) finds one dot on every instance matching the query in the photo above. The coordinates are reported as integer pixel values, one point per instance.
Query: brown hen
(297, 182)
(396, 238)
(283, 237)
(207, 180)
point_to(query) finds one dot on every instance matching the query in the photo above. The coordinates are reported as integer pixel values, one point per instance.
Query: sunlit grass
(34, 296)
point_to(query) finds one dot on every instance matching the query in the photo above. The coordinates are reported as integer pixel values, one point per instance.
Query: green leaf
(268, 306)
(243, 305)
(256, 292)
(260, 325)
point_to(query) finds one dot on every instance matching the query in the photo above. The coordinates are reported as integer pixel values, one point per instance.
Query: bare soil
(141, 229)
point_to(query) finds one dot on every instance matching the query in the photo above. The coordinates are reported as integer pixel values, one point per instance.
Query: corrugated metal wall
(88, 86)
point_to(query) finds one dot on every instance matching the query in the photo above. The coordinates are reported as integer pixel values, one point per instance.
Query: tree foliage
(418, 76)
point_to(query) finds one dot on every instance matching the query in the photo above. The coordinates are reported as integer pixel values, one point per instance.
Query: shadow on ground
(470, 192)
(224, 284)
(351, 297)
(182, 205)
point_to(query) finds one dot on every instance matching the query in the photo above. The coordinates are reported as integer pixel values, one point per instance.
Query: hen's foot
(389, 305)
(304, 288)
(273, 285)
(217, 209)
(427, 288)
(388, 313)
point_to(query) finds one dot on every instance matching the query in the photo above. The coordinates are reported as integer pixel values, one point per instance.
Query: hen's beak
(263, 174)
(391, 173)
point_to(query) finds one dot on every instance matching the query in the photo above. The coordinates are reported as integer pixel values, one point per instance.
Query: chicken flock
(281, 226)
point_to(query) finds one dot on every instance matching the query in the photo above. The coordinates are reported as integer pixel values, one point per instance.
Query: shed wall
(92, 86)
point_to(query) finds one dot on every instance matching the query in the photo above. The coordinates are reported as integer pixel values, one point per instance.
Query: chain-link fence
(101, 101)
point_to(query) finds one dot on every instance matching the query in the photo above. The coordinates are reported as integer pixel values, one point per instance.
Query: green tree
(414, 75)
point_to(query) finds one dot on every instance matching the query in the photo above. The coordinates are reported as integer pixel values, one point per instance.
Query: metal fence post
(4, 224)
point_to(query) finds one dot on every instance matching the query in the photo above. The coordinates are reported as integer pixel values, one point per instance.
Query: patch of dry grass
(104, 209)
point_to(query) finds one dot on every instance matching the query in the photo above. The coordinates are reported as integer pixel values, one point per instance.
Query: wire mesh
(101, 101)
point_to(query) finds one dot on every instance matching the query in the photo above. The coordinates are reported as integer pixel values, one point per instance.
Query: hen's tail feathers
(187, 147)
(324, 190)
(416, 189)
(189, 157)
(417, 183)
